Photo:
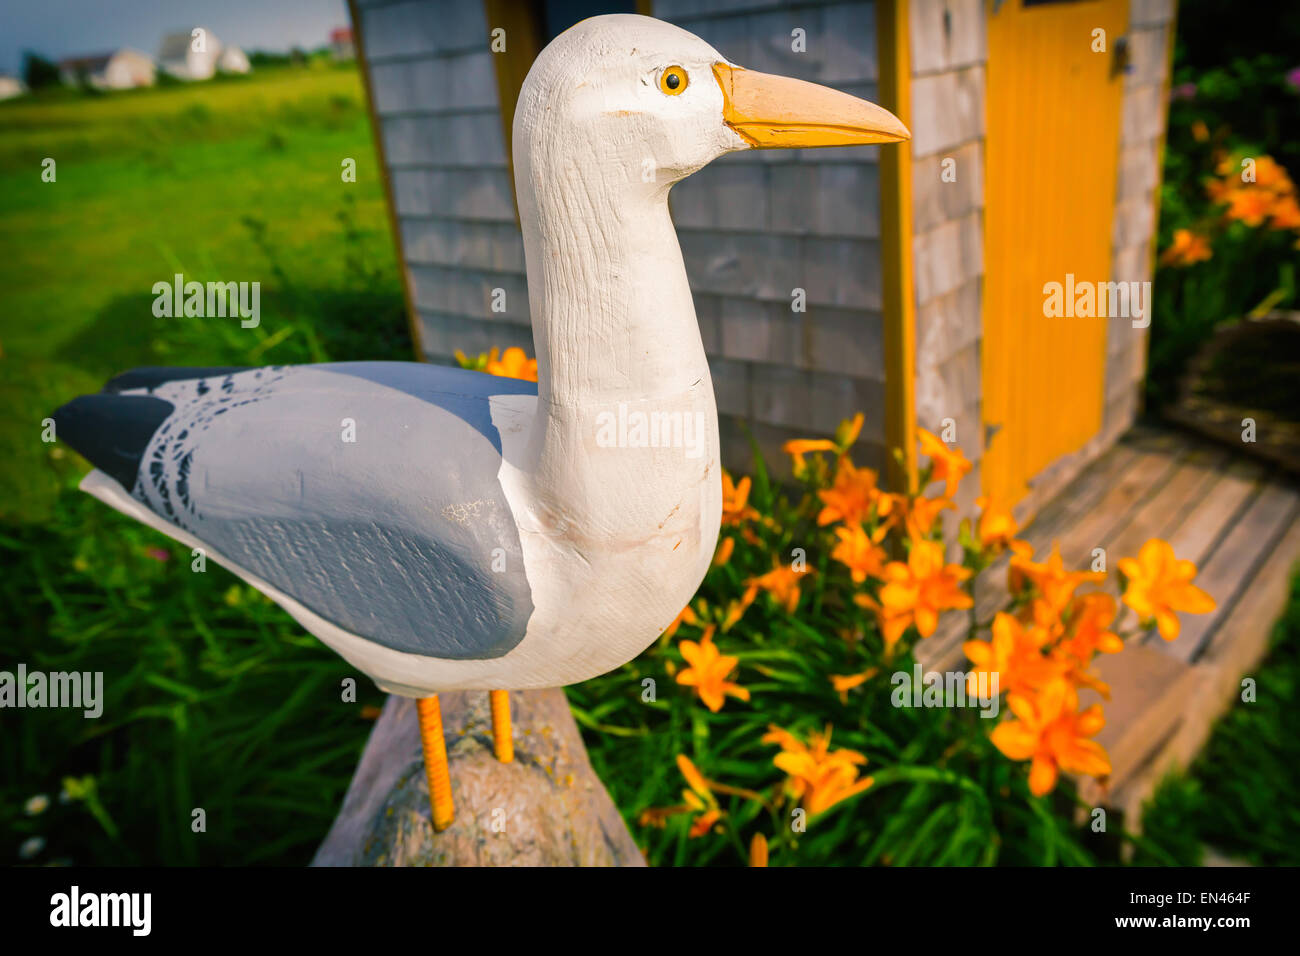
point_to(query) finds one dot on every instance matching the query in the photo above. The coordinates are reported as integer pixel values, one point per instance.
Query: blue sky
(60, 28)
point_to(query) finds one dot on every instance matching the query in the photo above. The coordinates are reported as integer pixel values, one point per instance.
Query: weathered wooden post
(545, 808)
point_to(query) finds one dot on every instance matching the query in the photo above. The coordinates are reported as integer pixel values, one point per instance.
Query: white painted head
(657, 103)
(614, 111)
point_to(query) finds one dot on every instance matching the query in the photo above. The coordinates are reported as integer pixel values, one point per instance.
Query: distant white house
(11, 86)
(342, 43)
(120, 70)
(192, 55)
(233, 60)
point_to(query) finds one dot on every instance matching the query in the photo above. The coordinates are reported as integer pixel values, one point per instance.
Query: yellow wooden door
(1051, 156)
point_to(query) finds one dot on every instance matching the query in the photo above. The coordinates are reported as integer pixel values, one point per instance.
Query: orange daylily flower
(1159, 584)
(708, 673)
(1185, 249)
(1286, 214)
(513, 364)
(851, 497)
(920, 513)
(705, 821)
(917, 591)
(950, 465)
(1272, 175)
(698, 798)
(725, 548)
(694, 779)
(758, 850)
(996, 526)
(782, 582)
(1269, 176)
(1090, 622)
(798, 447)
(1270, 196)
(817, 777)
(857, 552)
(686, 616)
(735, 611)
(735, 500)
(1088, 617)
(1053, 581)
(1251, 206)
(1050, 731)
(843, 683)
(1015, 654)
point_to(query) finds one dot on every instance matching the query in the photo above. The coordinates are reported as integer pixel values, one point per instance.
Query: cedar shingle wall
(757, 225)
(435, 92)
(1141, 138)
(948, 55)
(753, 227)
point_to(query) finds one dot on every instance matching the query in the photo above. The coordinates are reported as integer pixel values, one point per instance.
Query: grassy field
(201, 180)
(212, 694)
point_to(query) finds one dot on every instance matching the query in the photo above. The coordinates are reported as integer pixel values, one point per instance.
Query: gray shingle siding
(754, 227)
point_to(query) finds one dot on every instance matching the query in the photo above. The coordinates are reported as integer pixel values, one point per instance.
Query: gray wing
(367, 491)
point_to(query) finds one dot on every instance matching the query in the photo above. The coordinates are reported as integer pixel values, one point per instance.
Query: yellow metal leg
(502, 742)
(435, 761)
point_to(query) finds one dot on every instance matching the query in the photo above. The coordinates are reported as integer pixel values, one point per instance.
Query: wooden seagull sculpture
(482, 532)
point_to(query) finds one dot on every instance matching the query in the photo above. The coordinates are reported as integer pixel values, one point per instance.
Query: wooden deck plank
(1238, 647)
(1153, 518)
(1199, 473)
(1142, 483)
(1233, 564)
(1194, 535)
(1223, 512)
(1149, 693)
(1097, 501)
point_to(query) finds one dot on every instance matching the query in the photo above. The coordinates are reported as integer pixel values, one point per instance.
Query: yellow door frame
(899, 301)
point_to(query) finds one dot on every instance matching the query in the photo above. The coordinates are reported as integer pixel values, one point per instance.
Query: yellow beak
(776, 112)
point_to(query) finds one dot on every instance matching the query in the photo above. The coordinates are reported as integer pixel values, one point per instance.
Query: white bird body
(600, 497)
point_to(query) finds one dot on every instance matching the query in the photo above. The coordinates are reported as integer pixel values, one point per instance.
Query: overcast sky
(60, 28)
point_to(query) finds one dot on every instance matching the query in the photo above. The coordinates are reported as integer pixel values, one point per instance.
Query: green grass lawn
(214, 698)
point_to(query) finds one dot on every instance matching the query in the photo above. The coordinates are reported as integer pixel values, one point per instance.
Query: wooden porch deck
(1239, 521)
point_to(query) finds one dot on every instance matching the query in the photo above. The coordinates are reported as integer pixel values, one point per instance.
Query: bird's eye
(673, 80)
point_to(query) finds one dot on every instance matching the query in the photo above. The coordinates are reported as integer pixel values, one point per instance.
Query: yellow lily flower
(1159, 584)
(708, 673)
(950, 465)
(1051, 732)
